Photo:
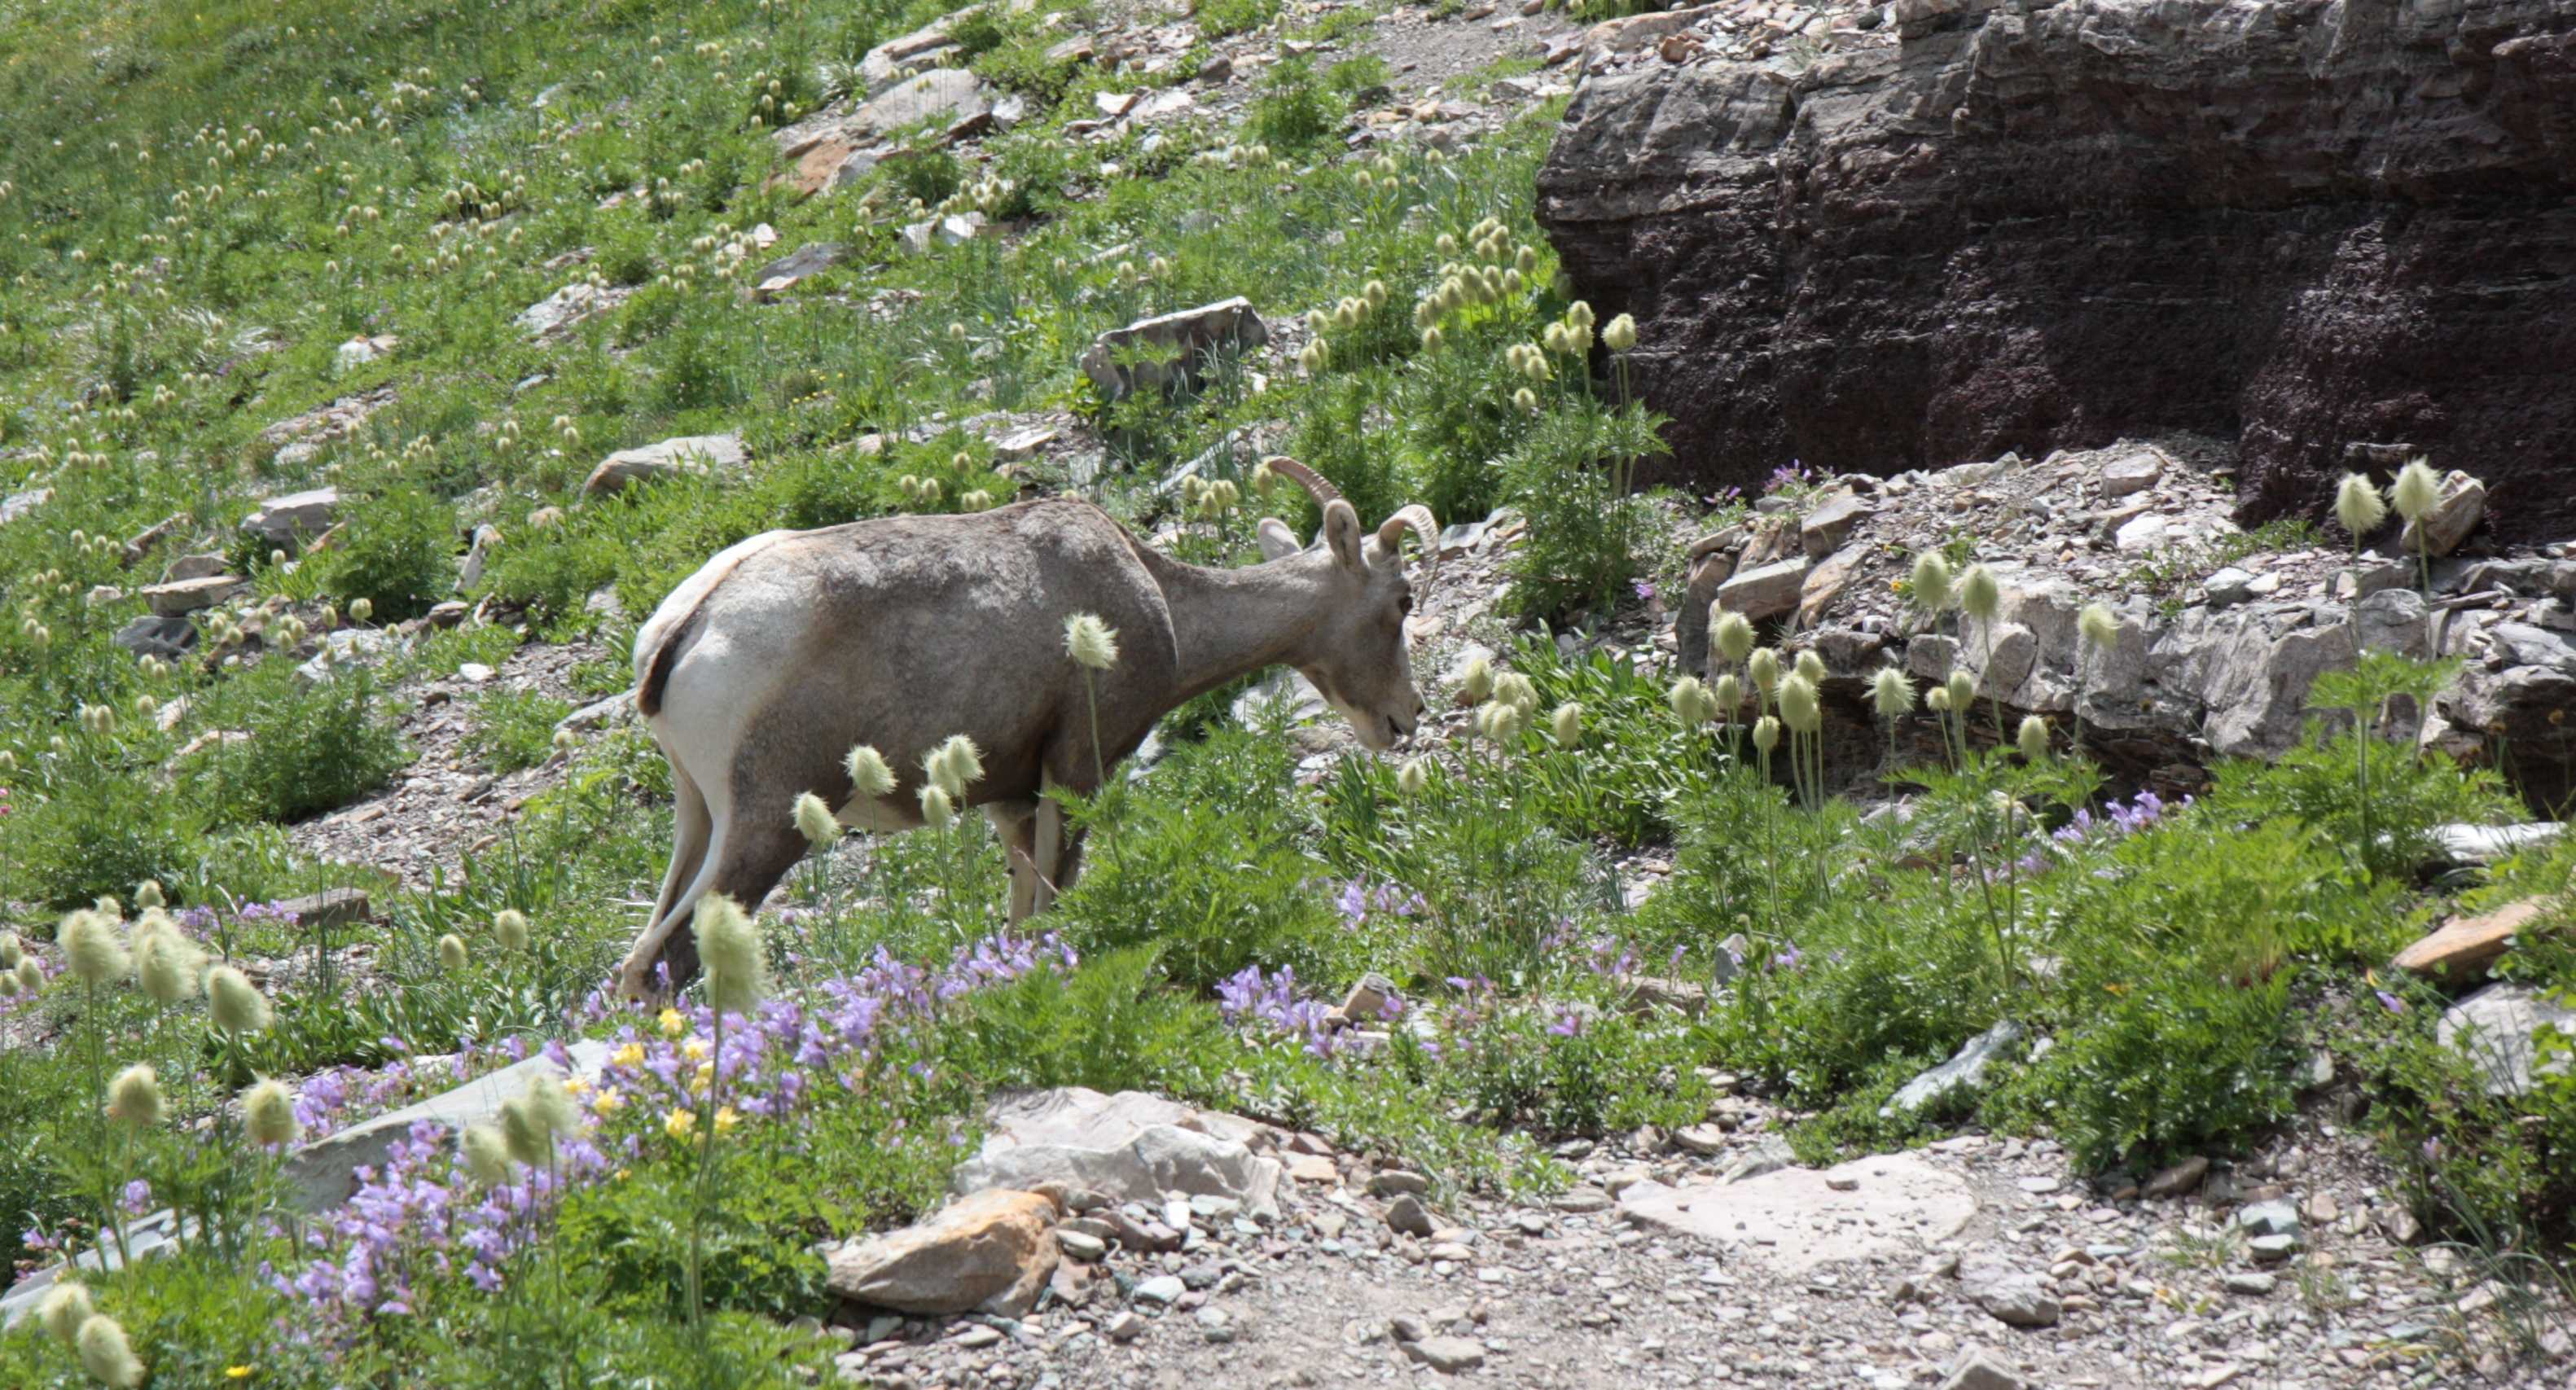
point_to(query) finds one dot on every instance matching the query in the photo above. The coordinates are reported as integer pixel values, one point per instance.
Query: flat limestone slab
(2462, 949)
(1792, 1220)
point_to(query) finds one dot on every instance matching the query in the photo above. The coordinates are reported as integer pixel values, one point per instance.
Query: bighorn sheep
(760, 672)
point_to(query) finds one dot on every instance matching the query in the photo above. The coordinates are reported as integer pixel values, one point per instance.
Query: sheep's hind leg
(1047, 850)
(635, 977)
(690, 825)
(1013, 824)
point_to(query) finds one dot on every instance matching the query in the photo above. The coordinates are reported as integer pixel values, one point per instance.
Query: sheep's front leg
(1012, 823)
(1049, 849)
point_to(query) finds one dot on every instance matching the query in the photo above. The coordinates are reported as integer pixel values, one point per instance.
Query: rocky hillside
(2333, 235)
(1883, 921)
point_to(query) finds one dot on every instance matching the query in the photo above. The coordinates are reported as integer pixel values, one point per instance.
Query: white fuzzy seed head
(268, 1114)
(168, 966)
(1691, 702)
(2416, 490)
(31, 977)
(1411, 778)
(1734, 635)
(938, 811)
(524, 1135)
(238, 1006)
(1931, 583)
(2033, 737)
(1091, 643)
(1981, 595)
(148, 896)
(1799, 707)
(105, 1354)
(1811, 666)
(487, 1155)
(134, 1098)
(65, 1307)
(510, 928)
(729, 946)
(2358, 507)
(451, 953)
(1891, 693)
(869, 775)
(1766, 733)
(89, 943)
(815, 821)
(11, 952)
(1729, 693)
(1937, 699)
(1500, 720)
(1513, 688)
(1566, 724)
(1963, 691)
(955, 765)
(2096, 625)
(1764, 667)
(1477, 681)
(552, 1104)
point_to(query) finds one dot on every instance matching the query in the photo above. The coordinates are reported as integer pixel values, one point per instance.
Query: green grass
(319, 172)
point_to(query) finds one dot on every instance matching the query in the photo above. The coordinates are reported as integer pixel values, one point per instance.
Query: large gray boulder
(1170, 348)
(1130, 1146)
(2499, 1029)
(286, 522)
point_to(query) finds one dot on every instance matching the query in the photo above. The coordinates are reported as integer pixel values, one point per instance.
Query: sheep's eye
(1404, 604)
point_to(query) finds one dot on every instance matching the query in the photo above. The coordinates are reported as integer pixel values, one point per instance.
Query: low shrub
(398, 552)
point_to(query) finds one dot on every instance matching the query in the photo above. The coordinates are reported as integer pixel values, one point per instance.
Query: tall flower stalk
(2415, 493)
(871, 781)
(952, 767)
(1093, 645)
(1892, 696)
(730, 948)
(1981, 597)
(97, 959)
(2358, 508)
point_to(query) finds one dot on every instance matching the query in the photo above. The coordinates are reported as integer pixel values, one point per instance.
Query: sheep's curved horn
(1316, 487)
(1390, 536)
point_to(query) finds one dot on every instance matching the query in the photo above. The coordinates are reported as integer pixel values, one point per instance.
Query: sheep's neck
(1231, 622)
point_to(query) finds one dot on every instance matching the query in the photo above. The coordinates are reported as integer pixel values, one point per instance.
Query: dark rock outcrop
(2312, 227)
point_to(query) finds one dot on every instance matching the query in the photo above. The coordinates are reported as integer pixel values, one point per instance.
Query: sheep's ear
(1277, 542)
(1342, 532)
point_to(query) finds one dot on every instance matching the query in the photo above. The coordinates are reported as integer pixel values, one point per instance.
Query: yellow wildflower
(236, 1372)
(726, 1120)
(706, 1072)
(631, 1055)
(695, 1049)
(577, 1085)
(680, 1124)
(674, 1023)
(608, 1102)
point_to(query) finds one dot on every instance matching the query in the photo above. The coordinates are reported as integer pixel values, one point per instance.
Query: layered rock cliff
(2335, 233)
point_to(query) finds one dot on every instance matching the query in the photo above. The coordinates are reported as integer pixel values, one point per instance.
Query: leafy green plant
(1215, 891)
(311, 748)
(514, 729)
(397, 552)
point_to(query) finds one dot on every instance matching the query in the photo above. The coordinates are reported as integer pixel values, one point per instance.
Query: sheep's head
(1358, 654)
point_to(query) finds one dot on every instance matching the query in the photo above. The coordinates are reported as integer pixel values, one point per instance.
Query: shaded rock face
(2310, 227)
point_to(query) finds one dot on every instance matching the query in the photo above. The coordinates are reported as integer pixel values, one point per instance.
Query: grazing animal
(760, 672)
